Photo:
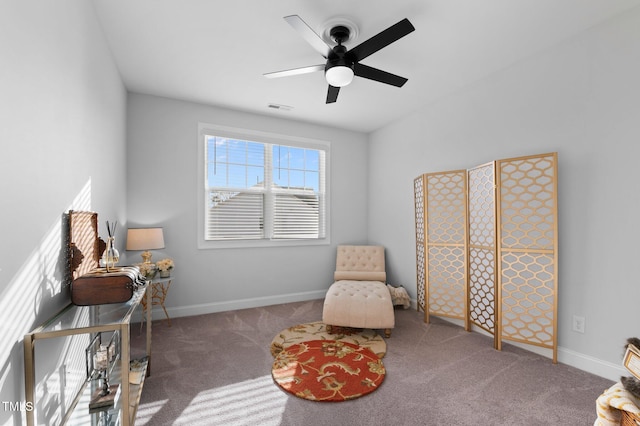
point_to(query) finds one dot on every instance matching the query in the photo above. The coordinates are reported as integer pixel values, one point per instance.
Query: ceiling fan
(343, 64)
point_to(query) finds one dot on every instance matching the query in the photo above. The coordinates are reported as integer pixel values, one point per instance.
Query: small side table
(160, 288)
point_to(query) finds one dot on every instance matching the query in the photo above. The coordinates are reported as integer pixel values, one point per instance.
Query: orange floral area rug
(318, 331)
(328, 370)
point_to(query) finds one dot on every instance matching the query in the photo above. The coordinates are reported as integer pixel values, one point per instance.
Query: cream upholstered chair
(359, 297)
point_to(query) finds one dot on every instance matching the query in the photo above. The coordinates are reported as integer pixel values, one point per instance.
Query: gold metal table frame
(76, 320)
(159, 290)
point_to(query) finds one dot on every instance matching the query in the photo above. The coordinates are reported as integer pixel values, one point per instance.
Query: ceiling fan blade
(380, 40)
(295, 71)
(378, 75)
(332, 94)
(308, 34)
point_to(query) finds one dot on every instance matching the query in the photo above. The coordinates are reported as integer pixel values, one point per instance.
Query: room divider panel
(486, 248)
(528, 249)
(445, 250)
(483, 308)
(419, 190)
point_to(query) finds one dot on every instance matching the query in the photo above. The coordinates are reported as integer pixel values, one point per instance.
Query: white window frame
(208, 129)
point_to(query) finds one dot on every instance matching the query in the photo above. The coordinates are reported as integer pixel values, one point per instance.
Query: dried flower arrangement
(165, 264)
(147, 269)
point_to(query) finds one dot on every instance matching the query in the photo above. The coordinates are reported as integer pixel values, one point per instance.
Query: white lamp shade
(339, 76)
(145, 239)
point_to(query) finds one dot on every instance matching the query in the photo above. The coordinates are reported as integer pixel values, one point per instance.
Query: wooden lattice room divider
(486, 248)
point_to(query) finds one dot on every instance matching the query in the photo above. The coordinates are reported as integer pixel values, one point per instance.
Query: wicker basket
(629, 419)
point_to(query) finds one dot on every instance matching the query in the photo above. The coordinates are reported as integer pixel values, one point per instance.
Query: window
(261, 189)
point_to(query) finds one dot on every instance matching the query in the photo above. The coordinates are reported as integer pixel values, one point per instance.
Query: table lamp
(145, 239)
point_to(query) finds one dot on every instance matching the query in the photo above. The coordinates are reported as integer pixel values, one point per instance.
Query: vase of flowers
(164, 267)
(148, 270)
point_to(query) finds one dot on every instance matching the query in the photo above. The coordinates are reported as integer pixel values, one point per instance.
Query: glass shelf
(74, 320)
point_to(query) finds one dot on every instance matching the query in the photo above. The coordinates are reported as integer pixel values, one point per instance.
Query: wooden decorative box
(100, 287)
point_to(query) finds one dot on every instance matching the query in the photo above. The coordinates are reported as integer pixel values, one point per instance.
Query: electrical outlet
(578, 324)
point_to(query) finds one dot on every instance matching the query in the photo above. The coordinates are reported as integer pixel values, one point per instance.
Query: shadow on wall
(37, 291)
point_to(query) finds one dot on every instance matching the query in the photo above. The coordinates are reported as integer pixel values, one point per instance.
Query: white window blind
(297, 216)
(256, 190)
(235, 215)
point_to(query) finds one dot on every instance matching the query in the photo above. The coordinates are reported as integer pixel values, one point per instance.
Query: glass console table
(91, 320)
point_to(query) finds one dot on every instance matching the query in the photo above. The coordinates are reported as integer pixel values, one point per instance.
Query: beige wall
(62, 107)
(163, 191)
(581, 99)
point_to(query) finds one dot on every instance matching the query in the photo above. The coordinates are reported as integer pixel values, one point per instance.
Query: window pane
(220, 150)
(255, 154)
(255, 176)
(296, 179)
(296, 167)
(217, 175)
(211, 141)
(312, 157)
(237, 152)
(281, 178)
(280, 156)
(296, 158)
(312, 181)
(237, 176)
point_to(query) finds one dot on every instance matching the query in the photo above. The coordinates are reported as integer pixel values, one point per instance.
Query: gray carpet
(216, 370)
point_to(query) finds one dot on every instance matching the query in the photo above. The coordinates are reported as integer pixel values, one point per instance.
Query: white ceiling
(215, 52)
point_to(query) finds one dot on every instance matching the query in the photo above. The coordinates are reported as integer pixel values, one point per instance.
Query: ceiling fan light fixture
(342, 63)
(339, 75)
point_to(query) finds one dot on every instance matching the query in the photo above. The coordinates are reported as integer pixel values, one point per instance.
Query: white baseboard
(566, 356)
(232, 305)
(592, 365)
